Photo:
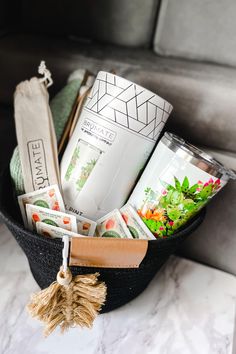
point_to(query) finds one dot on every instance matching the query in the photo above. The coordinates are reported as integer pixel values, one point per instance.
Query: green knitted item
(16, 172)
(61, 106)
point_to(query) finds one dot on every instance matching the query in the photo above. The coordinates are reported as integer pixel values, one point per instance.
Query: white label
(97, 130)
(37, 159)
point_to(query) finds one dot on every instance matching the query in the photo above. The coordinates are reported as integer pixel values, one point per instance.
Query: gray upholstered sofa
(184, 50)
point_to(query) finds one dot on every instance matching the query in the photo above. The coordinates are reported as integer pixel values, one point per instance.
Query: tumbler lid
(197, 157)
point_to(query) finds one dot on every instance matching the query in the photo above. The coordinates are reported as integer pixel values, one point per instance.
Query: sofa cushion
(204, 100)
(202, 30)
(121, 22)
(214, 242)
(203, 95)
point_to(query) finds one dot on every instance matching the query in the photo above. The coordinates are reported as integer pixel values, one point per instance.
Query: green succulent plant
(179, 203)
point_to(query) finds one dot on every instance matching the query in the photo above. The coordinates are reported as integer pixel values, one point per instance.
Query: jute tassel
(68, 302)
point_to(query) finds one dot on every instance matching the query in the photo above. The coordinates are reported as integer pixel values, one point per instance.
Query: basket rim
(8, 219)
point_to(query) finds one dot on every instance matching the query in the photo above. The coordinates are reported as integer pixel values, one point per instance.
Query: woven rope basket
(44, 255)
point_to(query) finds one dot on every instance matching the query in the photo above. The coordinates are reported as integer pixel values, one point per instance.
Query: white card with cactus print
(56, 218)
(113, 225)
(85, 226)
(135, 224)
(51, 231)
(48, 197)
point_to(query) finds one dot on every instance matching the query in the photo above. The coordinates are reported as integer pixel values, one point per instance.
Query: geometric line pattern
(128, 104)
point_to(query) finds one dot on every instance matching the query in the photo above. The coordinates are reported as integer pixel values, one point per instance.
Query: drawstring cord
(47, 79)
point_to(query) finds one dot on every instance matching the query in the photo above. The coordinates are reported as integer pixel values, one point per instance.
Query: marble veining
(187, 309)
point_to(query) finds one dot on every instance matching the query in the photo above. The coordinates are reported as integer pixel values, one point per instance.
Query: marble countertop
(187, 309)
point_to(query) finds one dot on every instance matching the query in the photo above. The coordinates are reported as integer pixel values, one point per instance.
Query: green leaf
(157, 226)
(193, 189)
(150, 194)
(150, 224)
(178, 224)
(168, 197)
(50, 222)
(153, 225)
(189, 204)
(163, 202)
(176, 197)
(72, 163)
(173, 213)
(206, 192)
(41, 203)
(177, 184)
(133, 231)
(112, 234)
(185, 184)
(147, 190)
(167, 186)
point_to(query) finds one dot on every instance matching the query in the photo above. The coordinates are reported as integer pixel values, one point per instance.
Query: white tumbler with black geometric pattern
(114, 137)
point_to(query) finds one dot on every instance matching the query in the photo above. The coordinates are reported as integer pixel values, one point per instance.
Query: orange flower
(139, 213)
(149, 214)
(159, 214)
(156, 214)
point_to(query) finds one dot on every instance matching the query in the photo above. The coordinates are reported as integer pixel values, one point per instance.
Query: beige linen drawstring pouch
(35, 133)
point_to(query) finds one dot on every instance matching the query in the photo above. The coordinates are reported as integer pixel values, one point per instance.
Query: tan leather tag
(107, 252)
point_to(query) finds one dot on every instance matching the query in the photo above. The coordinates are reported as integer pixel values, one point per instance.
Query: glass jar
(177, 183)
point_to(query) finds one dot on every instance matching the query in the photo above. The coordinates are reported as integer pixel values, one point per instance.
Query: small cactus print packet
(51, 231)
(85, 226)
(49, 197)
(112, 225)
(135, 224)
(51, 217)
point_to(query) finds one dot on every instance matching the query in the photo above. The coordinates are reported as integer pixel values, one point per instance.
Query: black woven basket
(45, 255)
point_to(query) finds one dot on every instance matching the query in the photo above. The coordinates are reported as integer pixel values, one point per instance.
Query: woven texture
(44, 255)
(61, 106)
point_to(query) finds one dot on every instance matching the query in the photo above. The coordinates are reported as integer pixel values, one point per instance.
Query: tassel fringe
(69, 302)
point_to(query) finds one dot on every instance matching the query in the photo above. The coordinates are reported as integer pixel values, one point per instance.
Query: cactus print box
(112, 141)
